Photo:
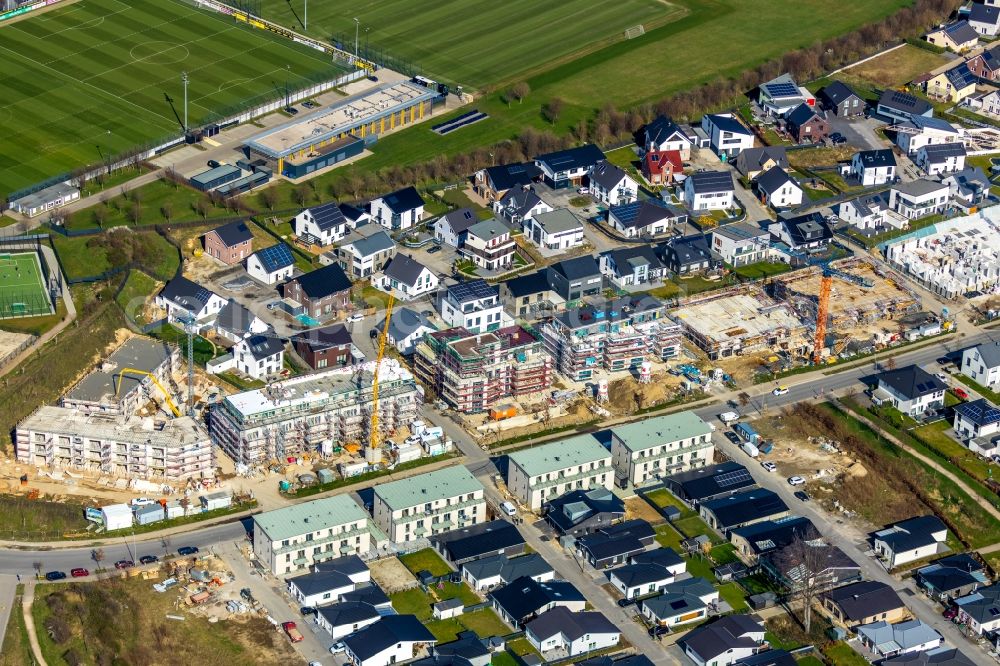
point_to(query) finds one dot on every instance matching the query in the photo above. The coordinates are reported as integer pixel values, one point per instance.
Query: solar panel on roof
(473, 290)
(276, 256)
(203, 294)
(902, 98)
(782, 89)
(733, 478)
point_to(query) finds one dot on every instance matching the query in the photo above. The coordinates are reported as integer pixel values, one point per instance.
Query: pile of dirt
(627, 395)
(391, 575)
(636, 507)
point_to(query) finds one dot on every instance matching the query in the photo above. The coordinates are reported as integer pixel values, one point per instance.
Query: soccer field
(474, 42)
(22, 291)
(93, 77)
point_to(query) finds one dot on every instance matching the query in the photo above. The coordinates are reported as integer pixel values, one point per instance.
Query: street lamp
(357, 27)
(184, 79)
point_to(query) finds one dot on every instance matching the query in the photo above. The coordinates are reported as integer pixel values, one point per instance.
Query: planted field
(97, 77)
(898, 67)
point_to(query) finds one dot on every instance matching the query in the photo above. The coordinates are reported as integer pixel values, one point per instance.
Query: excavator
(170, 403)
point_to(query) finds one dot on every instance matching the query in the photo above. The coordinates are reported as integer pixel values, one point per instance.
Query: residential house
(406, 329)
(524, 599)
(762, 538)
(468, 544)
(646, 450)
(920, 131)
(568, 168)
(468, 649)
(329, 580)
(492, 183)
(942, 158)
(488, 245)
(326, 347)
(898, 106)
(234, 322)
(322, 292)
(890, 640)
(435, 502)
(781, 95)
(979, 610)
(291, 538)
(777, 189)
(611, 185)
(451, 227)
(398, 210)
(754, 161)
(582, 511)
(394, 638)
(615, 544)
(874, 167)
(981, 364)
(911, 389)
(985, 65)
(740, 244)
(525, 295)
(915, 199)
(940, 656)
(869, 212)
(725, 641)
(689, 254)
(807, 124)
(645, 218)
(910, 540)
(343, 618)
(473, 305)
(661, 167)
(550, 470)
(487, 573)
(231, 243)
(704, 483)
(727, 135)
(573, 279)
(953, 85)
(644, 578)
(406, 277)
(803, 232)
(976, 419)
(985, 18)
(272, 264)
(184, 300)
(681, 602)
(571, 633)
(812, 564)
(841, 99)
(519, 206)
(864, 602)
(951, 578)
(957, 36)
(969, 188)
(709, 190)
(742, 509)
(259, 356)
(363, 253)
(321, 225)
(631, 266)
(556, 230)
(663, 134)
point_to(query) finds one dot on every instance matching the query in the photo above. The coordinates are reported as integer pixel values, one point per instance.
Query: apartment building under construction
(315, 412)
(473, 372)
(616, 334)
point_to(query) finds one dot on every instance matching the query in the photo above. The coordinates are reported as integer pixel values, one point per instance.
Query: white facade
(625, 190)
(258, 368)
(116, 517)
(705, 201)
(966, 428)
(394, 654)
(872, 175)
(633, 591)
(573, 644)
(949, 164)
(256, 269)
(178, 312)
(429, 504)
(979, 368)
(727, 136)
(910, 143)
(340, 630)
(786, 196)
(911, 407)
(913, 202)
(739, 249)
(869, 213)
(384, 215)
(426, 282)
(685, 616)
(330, 595)
(478, 316)
(546, 472)
(549, 231)
(304, 224)
(644, 451)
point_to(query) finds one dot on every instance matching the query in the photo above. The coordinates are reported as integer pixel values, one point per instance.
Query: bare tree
(804, 564)
(167, 211)
(890, 363)
(100, 215)
(202, 207)
(37, 566)
(269, 197)
(301, 195)
(135, 212)
(552, 110)
(98, 556)
(744, 399)
(519, 91)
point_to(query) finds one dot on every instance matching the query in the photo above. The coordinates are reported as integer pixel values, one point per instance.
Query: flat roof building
(647, 450)
(50, 198)
(545, 472)
(429, 504)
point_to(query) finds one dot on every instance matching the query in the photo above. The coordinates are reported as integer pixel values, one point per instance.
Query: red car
(951, 613)
(294, 635)
(79, 573)
(961, 393)
(124, 564)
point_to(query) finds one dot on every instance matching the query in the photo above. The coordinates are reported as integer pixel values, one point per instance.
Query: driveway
(859, 133)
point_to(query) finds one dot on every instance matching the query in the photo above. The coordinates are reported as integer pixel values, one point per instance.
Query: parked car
(124, 564)
(768, 465)
(951, 613)
(79, 572)
(148, 559)
(733, 437)
(508, 508)
(291, 629)
(436, 248)
(961, 393)
(307, 610)
(796, 481)
(55, 575)
(781, 390)
(943, 360)
(943, 377)
(583, 190)
(625, 603)
(355, 317)
(837, 138)
(337, 647)
(184, 551)
(802, 495)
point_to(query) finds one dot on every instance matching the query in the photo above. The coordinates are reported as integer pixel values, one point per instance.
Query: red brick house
(806, 124)
(231, 243)
(985, 65)
(660, 166)
(321, 292)
(327, 347)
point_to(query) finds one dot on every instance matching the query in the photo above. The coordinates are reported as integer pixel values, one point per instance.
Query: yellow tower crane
(166, 395)
(375, 440)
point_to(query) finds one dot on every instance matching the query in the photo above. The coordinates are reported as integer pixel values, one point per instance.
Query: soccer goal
(635, 31)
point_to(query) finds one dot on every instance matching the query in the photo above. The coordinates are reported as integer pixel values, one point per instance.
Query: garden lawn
(934, 437)
(426, 559)
(734, 595)
(762, 269)
(662, 498)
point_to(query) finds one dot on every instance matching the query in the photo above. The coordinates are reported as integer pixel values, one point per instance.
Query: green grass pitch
(474, 42)
(92, 78)
(22, 292)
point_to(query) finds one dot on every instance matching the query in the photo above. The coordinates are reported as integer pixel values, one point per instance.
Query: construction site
(953, 258)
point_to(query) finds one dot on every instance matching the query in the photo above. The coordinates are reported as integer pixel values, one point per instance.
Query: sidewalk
(29, 621)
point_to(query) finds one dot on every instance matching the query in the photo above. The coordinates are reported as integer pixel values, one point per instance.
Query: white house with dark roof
(406, 277)
(520, 205)
(406, 329)
(492, 183)
(874, 167)
(725, 641)
(841, 99)
(569, 167)
(803, 232)
(777, 189)
(632, 265)
(488, 244)
(920, 131)
(780, 95)
(474, 305)
(898, 106)
(451, 227)
(182, 298)
(980, 610)
(398, 210)
(911, 389)
(891, 640)
(329, 580)
(235, 322)
(486, 573)
(272, 264)
(259, 356)
(918, 198)
(393, 639)
(741, 244)
(640, 579)
(645, 218)
(344, 618)
(727, 135)
(571, 633)
(869, 212)
(984, 17)
(611, 185)
(941, 158)
(976, 419)
(981, 364)
(709, 190)
(664, 134)
(969, 188)
(556, 230)
(321, 225)
(681, 602)
(363, 252)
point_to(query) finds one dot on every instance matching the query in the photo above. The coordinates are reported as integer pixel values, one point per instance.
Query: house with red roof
(660, 166)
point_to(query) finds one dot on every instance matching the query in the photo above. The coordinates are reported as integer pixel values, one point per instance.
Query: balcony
(336, 537)
(643, 458)
(572, 478)
(422, 515)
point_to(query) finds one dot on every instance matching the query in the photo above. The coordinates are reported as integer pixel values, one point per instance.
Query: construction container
(200, 598)
(501, 412)
(325, 475)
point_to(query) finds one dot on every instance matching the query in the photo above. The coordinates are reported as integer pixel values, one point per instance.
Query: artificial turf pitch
(92, 79)
(22, 291)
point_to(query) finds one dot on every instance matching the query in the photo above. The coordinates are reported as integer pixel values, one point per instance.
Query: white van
(750, 449)
(729, 417)
(508, 508)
